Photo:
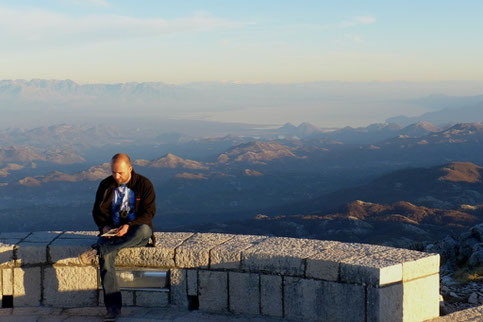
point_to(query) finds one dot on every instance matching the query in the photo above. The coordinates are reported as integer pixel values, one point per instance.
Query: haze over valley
(420, 180)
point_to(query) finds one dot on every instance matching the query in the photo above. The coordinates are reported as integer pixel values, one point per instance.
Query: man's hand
(122, 230)
(105, 230)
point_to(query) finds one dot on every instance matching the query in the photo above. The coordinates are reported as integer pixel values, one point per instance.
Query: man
(125, 201)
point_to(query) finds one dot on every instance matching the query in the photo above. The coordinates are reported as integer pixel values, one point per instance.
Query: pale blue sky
(278, 41)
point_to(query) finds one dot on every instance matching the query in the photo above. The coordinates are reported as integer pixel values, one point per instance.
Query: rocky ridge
(461, 269)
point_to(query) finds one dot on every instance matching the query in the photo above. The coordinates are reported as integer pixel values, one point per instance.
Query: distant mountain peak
(462, 172)
(171, 161)
(419, 129)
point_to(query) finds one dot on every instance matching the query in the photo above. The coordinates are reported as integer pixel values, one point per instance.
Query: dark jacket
(145, 206)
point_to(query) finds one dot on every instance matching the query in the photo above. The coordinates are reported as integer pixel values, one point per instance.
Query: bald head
(121, 157)
(121, 168)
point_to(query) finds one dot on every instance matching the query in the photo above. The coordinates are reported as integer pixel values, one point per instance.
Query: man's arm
(147, 205)
(101, 218)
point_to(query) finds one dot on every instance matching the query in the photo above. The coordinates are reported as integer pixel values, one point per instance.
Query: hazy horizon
(330, 64)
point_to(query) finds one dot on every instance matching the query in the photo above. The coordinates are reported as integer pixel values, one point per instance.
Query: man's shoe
(112, 314)
(88, 257)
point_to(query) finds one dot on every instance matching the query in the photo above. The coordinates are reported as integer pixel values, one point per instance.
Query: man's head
(121, 168)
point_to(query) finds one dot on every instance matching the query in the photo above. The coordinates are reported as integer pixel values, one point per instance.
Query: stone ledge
(325, 260)
(259, 275)
(474, 314)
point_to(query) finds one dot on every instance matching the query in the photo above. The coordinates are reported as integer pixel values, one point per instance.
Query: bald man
(125, 203)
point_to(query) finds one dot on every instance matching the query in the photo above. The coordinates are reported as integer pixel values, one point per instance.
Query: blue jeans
(108, 248)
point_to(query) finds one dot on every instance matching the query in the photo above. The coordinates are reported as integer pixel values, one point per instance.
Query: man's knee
(144, 230)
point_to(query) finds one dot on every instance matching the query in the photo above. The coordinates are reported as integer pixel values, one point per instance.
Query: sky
(263, 41)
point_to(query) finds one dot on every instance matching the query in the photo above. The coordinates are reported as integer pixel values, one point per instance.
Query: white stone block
(228, 254)
(192, 276)
(244, 292)
(7, 281)
(27, 284)
(160, 256)
(303, 299)
(281, 255)
(195, 252)
(271, 295)
(92, 235)
(146, 257)
(369, 271)
(309, 299)
(6, 254)
(421, 298)
(326, 263)
(420, 267)
(385, 303)
(31, 253)
(67, 251)
(213, 291)
(152, 298)
(70, 286)
(177, 279)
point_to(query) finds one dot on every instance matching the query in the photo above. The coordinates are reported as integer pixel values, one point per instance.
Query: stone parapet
(257, 275)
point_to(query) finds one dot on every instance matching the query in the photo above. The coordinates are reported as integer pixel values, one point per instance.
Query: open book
(111, 233)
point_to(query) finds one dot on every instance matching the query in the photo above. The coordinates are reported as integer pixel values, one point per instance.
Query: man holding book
(123, 210)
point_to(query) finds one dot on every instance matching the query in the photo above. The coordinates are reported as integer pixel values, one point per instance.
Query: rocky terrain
(461, 268)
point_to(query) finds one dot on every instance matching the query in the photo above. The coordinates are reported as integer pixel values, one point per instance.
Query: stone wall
(259, 275)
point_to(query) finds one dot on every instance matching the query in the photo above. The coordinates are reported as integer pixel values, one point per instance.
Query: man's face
(121, 172)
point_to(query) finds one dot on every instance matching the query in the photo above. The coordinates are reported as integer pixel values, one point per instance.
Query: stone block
(385, 303)
(271, 295)
(325, 264)
(244, 292)
(67, 251)
(389, 266)
(310, 299)
(303, 298)
(177, 281)
(473, 314)
(42, 236)
(414, 264)
(213, 291)
(160, 256)
(281, 255)
(170, 239)
(6, 254)
(70, 286)
(7, 281)
(195, 251)
(127, 298)
(421, 298)
(145, 256)
(152, 298)
(26, 284)
(192, 276)
(370, 271)
(344, 302)
(93, 235)
(31, 253)
(228, 254)
(418, 264)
